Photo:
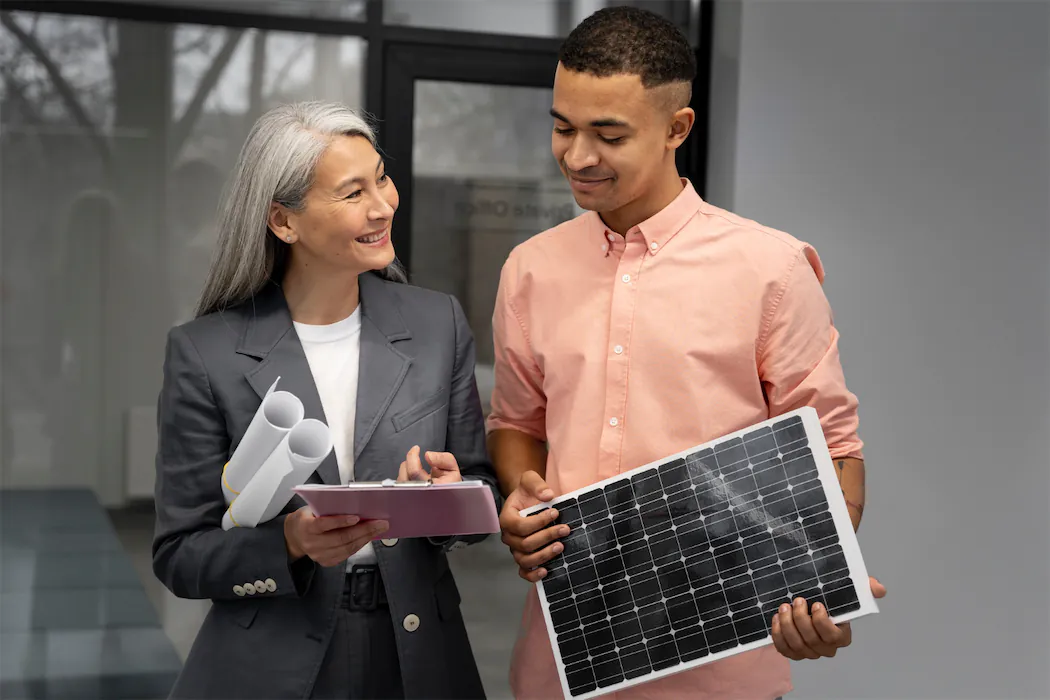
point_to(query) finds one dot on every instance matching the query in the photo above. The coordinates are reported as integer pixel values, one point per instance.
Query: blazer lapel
(270, 338)
(382, 366)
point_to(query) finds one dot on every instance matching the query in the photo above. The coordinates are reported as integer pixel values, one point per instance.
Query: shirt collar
(659, 228)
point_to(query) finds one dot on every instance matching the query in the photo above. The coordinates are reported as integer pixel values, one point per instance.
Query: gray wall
(909, 142)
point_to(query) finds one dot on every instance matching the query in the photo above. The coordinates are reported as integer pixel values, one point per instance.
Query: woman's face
(349, 208)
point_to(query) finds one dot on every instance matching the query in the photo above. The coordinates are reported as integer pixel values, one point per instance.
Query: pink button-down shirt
(620, 351)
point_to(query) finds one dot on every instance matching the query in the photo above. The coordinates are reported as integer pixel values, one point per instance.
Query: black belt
(364, 590)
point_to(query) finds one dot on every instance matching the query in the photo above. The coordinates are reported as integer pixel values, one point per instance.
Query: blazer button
(271, 585)
(411, 623)
(239, 590)
(249, 589)
(390, 542)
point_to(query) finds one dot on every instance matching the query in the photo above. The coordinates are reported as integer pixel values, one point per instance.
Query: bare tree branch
(184, 127)
(64, 89)
(18, 92)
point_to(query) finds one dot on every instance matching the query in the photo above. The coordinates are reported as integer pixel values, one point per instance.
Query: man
(652, 323)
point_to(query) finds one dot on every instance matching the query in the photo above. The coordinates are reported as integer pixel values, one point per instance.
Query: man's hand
(799, 635)
(444, 469)
(329, 539)
(530, 538)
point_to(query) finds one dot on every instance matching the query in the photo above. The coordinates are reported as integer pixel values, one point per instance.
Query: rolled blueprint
(293, 461)
(279, 413)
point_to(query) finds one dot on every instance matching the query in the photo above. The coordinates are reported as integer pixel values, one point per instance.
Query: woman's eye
(354, 195)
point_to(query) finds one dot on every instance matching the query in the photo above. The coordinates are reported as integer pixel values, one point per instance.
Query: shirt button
(239, 590)
(654, 245)
(411, 623)
(610, 237)
(605, 247)
(618, 349)
(614, 421)
(626, 278)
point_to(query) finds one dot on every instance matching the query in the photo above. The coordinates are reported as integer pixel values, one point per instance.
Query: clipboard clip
(405, 484)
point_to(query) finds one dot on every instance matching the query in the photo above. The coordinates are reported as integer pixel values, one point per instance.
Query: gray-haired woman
(305, 286)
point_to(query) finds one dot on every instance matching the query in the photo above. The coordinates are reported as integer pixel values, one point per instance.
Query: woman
(305, 286)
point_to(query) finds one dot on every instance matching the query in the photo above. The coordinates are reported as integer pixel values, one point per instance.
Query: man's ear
(278, 222)
(681, 124)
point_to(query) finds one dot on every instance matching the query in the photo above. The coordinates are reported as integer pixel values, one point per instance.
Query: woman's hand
(329, 539)
(443, 467)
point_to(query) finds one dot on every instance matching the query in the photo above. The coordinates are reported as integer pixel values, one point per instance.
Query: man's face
(610, 138)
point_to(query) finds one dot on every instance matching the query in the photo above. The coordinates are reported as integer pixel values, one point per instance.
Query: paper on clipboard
(413, 509)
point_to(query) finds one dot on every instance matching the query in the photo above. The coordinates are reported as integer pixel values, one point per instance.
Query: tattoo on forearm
(858, 506)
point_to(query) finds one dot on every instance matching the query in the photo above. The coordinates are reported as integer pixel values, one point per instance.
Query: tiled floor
(493, 597)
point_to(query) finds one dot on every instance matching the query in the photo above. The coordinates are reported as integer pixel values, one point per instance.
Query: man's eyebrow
(596, 124)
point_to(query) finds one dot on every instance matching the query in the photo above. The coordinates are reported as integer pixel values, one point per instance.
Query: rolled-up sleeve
(798, 357)
(518, 401)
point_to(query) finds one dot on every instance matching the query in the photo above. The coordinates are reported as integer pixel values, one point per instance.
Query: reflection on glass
(115, 139)
(485, 181)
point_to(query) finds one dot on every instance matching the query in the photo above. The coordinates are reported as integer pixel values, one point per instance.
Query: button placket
(623, 309)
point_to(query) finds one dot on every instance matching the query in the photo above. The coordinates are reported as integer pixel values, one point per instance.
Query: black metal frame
(397, 56)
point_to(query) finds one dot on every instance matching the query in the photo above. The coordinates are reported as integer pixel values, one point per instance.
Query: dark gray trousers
(361, 662)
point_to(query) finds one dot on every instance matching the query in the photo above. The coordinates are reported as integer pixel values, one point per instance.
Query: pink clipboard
(413, 509)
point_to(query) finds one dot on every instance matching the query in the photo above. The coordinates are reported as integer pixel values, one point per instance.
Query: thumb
(877, 589)
(534, 485)
(442, 461)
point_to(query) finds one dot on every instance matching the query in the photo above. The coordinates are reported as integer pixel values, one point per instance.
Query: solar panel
(684, 561)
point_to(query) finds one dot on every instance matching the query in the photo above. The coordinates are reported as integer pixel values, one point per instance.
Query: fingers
(804, 624)
(414, 467)
(532, 576)
(317, 525)
(829, 633)
(877, 589)
(523, 526)
(442, 462)
(792, 638)
(336, 546)
(778, 640)
(534, 485)
(542, 538)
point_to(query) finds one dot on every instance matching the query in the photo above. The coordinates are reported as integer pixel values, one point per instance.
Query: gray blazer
(416, 386)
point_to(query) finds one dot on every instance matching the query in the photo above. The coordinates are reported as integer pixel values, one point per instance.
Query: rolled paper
(293, 461)
(279, 412)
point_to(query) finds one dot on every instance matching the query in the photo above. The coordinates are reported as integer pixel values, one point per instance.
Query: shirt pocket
(421, 410)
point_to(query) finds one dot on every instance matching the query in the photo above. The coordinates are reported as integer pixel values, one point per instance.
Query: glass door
(473, 148)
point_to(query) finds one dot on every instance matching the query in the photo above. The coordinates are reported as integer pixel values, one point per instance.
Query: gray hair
(276, 164)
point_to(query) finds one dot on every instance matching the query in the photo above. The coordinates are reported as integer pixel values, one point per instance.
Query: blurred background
(909, 141)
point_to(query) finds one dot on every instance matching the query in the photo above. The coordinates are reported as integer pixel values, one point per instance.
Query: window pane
(329, 9)
(115, 140)
(484, 181)
(543, 18)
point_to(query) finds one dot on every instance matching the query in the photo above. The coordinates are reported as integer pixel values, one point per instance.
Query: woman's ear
(279, 223)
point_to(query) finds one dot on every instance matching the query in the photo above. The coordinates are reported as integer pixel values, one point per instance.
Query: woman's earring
(288, 238)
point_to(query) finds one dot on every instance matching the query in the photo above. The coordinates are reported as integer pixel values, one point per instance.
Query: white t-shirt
(334, 354)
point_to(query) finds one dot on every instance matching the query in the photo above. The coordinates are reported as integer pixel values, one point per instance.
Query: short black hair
(630, 41)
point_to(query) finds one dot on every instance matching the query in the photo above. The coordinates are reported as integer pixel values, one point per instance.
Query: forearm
(513, 453)
(850, 473)
(208, 563)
